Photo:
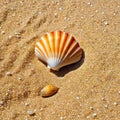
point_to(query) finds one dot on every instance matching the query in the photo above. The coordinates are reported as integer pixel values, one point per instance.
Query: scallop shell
(49, 90)
(58, 49)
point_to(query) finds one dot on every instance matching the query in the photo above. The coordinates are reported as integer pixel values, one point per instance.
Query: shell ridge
(42, 44)
(39, 56)
(53, 34)
(42, 49)
(46, 46)
(70, 49)
(65, 40)
(65, 47)
(75, 51)
(59, 40)
(62, 41)
(76, 45)
(56, 43)
(69, 43)
(51, 43)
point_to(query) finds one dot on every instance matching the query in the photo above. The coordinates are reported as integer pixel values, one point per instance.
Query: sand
(89, 89)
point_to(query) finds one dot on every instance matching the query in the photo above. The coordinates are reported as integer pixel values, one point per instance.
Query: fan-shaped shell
(58, 49)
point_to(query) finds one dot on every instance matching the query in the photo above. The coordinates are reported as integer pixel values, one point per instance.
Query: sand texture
(88, 90)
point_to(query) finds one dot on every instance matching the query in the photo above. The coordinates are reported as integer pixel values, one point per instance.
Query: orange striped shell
(58, 49)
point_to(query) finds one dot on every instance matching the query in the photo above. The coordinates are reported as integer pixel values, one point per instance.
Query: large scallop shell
(58, 49)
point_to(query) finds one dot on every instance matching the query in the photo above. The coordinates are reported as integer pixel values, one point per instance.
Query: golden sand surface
(88, 90)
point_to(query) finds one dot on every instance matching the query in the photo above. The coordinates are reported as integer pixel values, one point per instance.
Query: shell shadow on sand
(66, 69)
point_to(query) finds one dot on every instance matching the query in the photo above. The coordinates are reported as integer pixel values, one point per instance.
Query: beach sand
(89, 89)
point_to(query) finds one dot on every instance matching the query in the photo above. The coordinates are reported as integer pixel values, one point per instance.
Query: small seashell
(18, 36)
(2, 32)
(19, 78)
(106, 106)
(26, 104)
(49, 90)
(115, 103)
(94, 114)
(105, 23)
(58, 49)
(9, 74)
(88, 117)
(9, 37)
(91, 108)
(1, 103)
(31, 112)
